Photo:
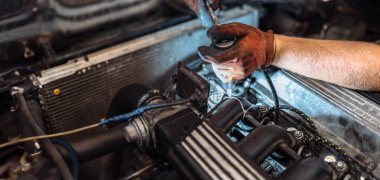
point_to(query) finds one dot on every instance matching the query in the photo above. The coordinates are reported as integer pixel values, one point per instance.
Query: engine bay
(115, 90)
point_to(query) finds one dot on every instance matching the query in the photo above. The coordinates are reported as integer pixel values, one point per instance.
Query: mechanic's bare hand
(252, 50)
(194, 4)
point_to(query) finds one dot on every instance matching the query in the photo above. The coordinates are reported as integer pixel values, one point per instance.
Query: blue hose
(73, 155)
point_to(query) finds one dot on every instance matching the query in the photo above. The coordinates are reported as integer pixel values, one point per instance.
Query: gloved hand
(252, 50)
(194, 5)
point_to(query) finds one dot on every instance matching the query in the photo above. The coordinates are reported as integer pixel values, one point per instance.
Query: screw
(56, 91)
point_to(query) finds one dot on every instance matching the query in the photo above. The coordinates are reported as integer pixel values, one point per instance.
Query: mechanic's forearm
(350, 64)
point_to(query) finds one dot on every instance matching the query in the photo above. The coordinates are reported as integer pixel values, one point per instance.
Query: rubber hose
(46, 144)
(96, 145)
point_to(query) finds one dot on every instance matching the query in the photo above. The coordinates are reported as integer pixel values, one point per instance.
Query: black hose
(88, 147)
(47, 145)
(274, 93)
(73, 156)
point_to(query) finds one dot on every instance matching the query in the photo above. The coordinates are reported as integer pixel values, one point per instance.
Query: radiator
(79, 92)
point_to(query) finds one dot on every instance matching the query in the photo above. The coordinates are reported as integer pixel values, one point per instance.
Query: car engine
(115, 90)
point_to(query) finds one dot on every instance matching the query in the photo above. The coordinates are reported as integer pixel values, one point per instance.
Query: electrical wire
(306, 120)
(241, 105)
(35, 138)
(119, 118)
(73, 156)
(274, 94)
(143, 170)
(140, 110)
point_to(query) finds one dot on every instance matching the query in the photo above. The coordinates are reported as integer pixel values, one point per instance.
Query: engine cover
(200, 149)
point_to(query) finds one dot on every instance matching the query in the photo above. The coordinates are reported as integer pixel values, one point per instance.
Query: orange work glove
(253, 49)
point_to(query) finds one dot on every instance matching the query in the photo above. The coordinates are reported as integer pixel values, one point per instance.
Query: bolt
(298, 134)
(263, 108)
(341, 166)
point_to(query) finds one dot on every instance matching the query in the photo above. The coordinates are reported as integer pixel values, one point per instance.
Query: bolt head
(341, 166)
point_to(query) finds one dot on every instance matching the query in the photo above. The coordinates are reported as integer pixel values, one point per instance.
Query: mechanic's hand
(194, 5)
(252, 50)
